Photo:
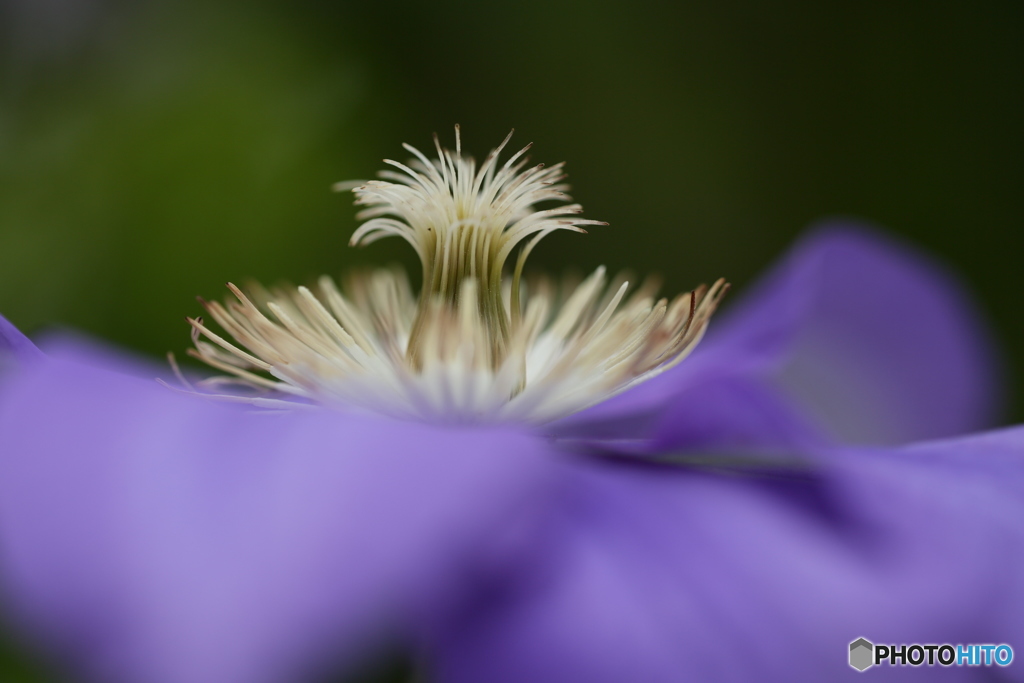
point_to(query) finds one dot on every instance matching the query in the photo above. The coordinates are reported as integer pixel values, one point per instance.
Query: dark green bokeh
(179, 150)
(159, 149)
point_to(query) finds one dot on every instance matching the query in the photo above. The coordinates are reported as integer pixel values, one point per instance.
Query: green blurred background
(152, 151)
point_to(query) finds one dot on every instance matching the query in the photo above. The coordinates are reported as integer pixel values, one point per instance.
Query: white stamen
(470, 345)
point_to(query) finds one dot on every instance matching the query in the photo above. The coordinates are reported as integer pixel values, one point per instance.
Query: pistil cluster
(476, 342)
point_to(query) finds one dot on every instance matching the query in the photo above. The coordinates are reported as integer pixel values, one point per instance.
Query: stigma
(478, 342)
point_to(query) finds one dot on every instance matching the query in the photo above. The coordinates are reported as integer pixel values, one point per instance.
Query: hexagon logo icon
(861, 654)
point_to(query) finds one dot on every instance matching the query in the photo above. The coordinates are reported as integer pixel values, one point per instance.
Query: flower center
(473, 343)
(464, 223)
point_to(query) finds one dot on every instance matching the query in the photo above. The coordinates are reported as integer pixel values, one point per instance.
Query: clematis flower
(518, 480)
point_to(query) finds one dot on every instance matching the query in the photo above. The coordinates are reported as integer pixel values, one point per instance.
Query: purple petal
(862, 336)
(658, 575)
(882, 346)
(16, 344)
(152, 536)
(714, 412)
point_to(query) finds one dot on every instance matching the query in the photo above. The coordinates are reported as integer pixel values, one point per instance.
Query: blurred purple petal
(669, 575)
(882, 345)
(163, 538)
(714, 411)
(13, 342)
(861, 336)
